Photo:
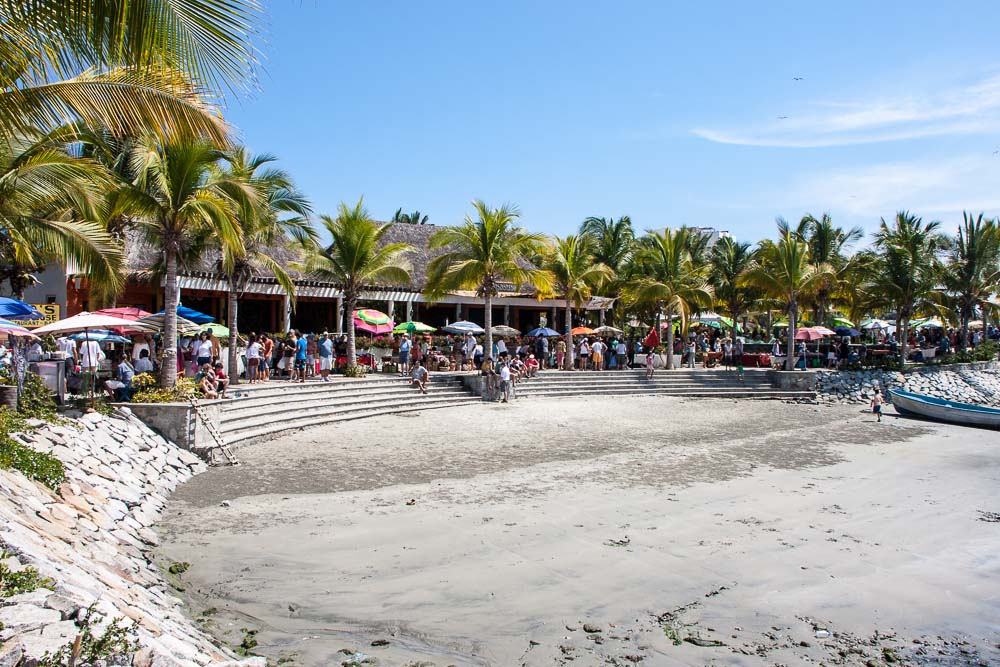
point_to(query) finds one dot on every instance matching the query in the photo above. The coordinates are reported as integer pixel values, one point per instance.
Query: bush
(146, 389)
(25, 581)
(37, 466)
(35, 401)
(115, 646)
(355, 371)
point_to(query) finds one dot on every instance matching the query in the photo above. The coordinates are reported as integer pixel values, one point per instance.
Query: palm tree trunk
(168, 363)
(234, 376)
(793, 316)
(670, 341)
(488, 324)
(568, 361)
(352, 354)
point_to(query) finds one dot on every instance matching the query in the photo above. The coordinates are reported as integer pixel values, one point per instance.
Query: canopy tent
(192, 315)
(463, 327)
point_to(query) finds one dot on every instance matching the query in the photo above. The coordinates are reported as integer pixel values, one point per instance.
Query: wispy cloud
(939, 189)
(968, 109)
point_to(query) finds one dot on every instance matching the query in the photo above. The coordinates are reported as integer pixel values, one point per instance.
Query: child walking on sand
(877, 404)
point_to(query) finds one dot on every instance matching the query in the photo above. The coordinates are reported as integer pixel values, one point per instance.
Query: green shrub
(36, 401)
(356, 371)
(34, 465)
(25, 581)
(146, 389)
(115, 645)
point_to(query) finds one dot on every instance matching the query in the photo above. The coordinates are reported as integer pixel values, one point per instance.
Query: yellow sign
(49, 310)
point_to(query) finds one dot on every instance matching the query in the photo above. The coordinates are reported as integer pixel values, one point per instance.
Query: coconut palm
(783, 271)
(972, 273)
(575, 272)
(614, 247)
(133, 68)
(276, 218)
(357, 258)
(183, 199)
(827, 246)
(728, 260)
(48, 202)
(482, 254)
(409, 218)
(669, 280)
(853, 289)
(908, 273)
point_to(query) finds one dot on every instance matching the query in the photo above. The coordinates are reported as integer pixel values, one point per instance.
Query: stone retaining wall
(92, 539)
(977, 383)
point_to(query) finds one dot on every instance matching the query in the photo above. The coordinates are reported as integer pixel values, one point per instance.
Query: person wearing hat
(404, 354)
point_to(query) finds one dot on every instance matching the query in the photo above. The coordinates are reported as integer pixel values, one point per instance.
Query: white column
(286, 314)
(458, 312)
(506, 314)
(409, 311)
(603, 311)
(554, 321)
(392, 309)
(340, 314)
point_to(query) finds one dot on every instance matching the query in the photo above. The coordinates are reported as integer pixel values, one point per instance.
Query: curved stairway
(693, 383)
(264, 410)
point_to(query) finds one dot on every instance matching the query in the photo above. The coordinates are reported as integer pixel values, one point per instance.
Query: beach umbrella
(157, 322)
(504, 330)
(605, 329)
(218, 330)
(85, 321)
(875, 324)
(780, 324)
(192, 315)
(975, 324)
(636, 324)
(812, 333)
(932, 323)
(582, 331)
(846, 331)
(99, 335)
(841, 322)
(463, 327)
(543, 332)
(13, 309)
(373, 321)
(125, 313)
(413, 328)
(14, 329)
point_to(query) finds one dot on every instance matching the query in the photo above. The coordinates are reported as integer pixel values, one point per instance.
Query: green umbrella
(842, 322)
(412, 328)
(218, 330)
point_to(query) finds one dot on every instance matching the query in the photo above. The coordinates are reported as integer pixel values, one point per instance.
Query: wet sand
(614, 531)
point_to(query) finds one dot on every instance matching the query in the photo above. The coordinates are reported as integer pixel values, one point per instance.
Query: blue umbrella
(192, 315)
(12, 309)
(544, 332)
(99, 335)
(846, 331)
(464, 327)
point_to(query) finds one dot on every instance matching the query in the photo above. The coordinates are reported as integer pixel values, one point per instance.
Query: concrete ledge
(794, 380)
(178, 423)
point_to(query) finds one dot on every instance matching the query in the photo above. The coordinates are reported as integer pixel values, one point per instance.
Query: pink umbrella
(812, 333)
(125, 313)
(373, 321)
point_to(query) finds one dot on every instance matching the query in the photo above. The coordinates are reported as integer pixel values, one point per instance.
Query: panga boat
(966, 414)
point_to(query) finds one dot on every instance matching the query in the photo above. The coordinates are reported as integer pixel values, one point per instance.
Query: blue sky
(665, 111)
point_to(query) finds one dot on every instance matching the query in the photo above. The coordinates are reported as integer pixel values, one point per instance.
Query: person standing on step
(301, 348)
(325, 350)
(266, 355)
(621, 352)
(738, 358)
(311, 349)
(649, 363)
(253, 358)
(404, 354)
(597, 355)
(203, 350)
(560, 353)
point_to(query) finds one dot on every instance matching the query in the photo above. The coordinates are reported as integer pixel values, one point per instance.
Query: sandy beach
(590, 532)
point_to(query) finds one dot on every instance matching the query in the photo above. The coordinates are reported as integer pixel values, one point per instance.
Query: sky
(716, 114)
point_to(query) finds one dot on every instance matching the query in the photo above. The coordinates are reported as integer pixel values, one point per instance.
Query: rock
(27, 617)
(590, 628)
(63, 605)
(11, 653)
(36, 597)
(254, 661)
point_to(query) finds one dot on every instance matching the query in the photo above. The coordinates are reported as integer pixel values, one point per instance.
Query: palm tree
(827, 246)
(483, 253)
(853, 288)
(614, 247)
(575, 272)
(184, 199)
(783, 271)
(356, 258)
(728, 260)
(409, 218)
(669, 279)
(48, 212)
(972, 273)
(277, 217)
(908, 272)
(140, 67)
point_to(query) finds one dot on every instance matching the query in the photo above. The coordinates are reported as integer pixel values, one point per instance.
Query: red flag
(652, 340)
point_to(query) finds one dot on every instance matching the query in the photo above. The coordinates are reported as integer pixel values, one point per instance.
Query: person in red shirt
(222, 381)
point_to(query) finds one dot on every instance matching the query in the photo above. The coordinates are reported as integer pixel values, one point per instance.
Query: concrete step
(242, 408)
(253, 432)
(729, 392)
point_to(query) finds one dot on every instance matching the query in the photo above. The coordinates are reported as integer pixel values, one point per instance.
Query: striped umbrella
(413, 328)
(373, 321)
(184, 327)
(14, 329)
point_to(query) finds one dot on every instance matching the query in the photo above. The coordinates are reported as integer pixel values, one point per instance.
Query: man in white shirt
(504, 382)
(91, 356)
(501, 348)
(621, 352)
(469, 349)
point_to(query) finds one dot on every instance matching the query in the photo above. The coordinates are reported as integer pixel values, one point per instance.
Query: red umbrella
(810, 334)
(126, 313)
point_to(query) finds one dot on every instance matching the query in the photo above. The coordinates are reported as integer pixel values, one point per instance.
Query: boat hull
(928, 407)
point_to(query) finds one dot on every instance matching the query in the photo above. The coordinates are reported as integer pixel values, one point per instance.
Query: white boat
(928, 407)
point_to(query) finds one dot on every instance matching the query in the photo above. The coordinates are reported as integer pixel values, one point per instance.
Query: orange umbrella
(582, 331)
